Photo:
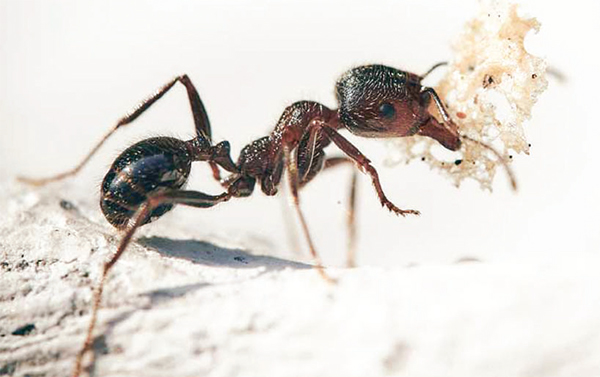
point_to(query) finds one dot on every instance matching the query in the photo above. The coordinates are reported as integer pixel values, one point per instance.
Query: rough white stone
(183, 306)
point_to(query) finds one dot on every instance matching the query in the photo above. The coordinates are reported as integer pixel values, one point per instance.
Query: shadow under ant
(209, 254)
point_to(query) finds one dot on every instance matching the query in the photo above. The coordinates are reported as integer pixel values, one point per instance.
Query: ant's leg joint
(242, 187)
(199, 149)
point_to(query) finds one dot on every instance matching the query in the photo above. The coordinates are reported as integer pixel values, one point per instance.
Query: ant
(148, 178)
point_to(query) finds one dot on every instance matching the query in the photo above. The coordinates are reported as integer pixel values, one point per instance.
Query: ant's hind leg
(365, 165)
(201, 122)
(189, 198)
(351, 214)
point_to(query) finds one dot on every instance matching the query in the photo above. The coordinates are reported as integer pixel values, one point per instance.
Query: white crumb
(490, 87)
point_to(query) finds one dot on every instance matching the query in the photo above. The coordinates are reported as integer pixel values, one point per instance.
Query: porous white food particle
(489, 90)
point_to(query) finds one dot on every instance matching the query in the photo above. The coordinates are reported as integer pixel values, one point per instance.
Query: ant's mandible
(148, 178)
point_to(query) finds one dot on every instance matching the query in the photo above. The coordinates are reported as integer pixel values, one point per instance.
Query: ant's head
(380, 101)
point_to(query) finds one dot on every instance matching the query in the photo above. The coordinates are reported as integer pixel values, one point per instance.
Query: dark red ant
(147, 179)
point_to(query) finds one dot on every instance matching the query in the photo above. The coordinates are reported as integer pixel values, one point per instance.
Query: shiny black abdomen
(148, 167)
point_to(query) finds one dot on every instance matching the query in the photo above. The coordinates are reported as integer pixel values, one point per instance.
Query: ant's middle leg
(309, 163)
(201, 122)
(291, 165)
(351, 214)
(189, 198)
(365, 165)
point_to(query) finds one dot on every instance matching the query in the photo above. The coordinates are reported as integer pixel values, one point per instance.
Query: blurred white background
(70, 69)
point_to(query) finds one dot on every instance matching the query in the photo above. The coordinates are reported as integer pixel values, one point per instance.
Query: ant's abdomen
(146, 168)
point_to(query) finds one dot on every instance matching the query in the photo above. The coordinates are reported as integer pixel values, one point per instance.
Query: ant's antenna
(509, 172)
(440, 64)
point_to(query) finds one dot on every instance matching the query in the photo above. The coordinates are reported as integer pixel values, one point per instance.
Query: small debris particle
(24, 330)
(458, 162)
(422, 158)
(488, 80)
(66, 205)
(461, 115)
(23, 264)
(534, 76)
(241, 259)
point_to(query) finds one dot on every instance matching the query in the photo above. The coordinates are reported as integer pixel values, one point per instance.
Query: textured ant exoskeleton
(147, 179)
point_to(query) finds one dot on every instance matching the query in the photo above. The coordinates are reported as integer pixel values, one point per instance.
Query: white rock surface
(180, 304)
(183, 306)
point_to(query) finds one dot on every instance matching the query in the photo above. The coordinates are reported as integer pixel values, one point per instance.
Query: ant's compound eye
(387, 111)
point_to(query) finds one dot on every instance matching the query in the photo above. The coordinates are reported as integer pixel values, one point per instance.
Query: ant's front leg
(201, 122)
(426, 91)
(189, 198)
(365, 165)
(452, 139)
